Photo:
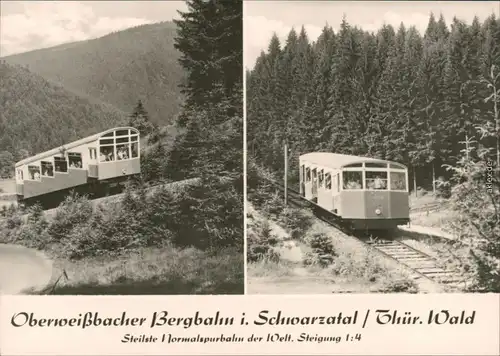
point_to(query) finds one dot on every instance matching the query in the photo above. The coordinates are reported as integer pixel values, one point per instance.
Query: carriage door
(302, 180)
(92, 155)
(336, 193)
(315, 184)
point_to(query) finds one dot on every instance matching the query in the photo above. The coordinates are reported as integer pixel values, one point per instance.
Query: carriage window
(107, 154)
(353, 180)
(75, 160)
(396, 166)
(122, 133)
(61, 165)
(354, 165)
(134, 138)
(134, 148)
(328, 181)
(321, 177)
(302, 173)
(398, 181)
(47, 169)
(337, 179)
(314, 175)
(122, 152)
(308, 174)
(34, 172)
(376, 180)
(20, 174)
(109, 134)
(108, 141)
(375, 165)
(92, 153)
(122, 140)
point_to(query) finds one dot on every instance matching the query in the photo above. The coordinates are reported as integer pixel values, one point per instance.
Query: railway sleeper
(419, 264)
(402, 253)
(435, 270)
(395, 249)
(419, 259)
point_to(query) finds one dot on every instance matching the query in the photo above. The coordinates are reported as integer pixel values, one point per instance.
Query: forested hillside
(431, 101)
(37, 115)
(395, 94)
(119, 68)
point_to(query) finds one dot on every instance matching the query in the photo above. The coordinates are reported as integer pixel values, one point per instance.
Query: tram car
(363, 193)
(89, 166)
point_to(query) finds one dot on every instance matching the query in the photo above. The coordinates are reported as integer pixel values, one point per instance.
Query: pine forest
(394, 94)
(428, 100)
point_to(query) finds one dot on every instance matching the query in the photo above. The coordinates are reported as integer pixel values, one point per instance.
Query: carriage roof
(336, 160)
(57, 151)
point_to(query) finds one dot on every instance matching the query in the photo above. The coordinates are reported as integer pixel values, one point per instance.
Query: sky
(29, 25)
(264, 17)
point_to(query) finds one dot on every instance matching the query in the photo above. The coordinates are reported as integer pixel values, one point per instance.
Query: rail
(415, 260)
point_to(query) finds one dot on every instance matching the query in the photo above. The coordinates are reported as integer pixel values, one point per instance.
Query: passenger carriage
(83, 165)
(365, 193)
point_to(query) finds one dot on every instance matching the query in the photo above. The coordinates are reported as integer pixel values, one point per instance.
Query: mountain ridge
(118, 68)
(37, 114)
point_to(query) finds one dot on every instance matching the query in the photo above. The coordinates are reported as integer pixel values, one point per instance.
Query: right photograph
(373, 147)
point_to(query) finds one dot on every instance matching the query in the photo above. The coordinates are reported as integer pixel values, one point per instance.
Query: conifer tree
(139, 119)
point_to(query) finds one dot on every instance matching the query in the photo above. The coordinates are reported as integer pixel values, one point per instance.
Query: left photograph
(121, 148)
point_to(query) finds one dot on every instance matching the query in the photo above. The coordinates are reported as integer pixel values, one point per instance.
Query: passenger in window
(354, 184)
(103, 157)
(122, 154)
(37, 176)
(379, 183)
(72, 165)
(397, 184)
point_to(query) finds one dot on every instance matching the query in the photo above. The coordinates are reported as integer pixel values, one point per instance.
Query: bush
(296, 222)
(261, 243)
(323, 252)
(399, 286)
(475, 197)
(272, 203)
(359, 265)
(73, 211)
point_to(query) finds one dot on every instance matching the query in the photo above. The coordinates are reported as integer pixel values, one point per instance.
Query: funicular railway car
(364, 193)
(90, 165)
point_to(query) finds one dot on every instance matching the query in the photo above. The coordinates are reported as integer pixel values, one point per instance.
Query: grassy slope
(355, 269)
(119, 68)
(166, 270)
(161, 269)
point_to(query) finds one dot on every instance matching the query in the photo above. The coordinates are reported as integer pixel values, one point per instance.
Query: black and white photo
(121, 147)
(373, 136)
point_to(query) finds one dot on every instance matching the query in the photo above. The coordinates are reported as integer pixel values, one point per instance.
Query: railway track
(420, 263)
(50, 213)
